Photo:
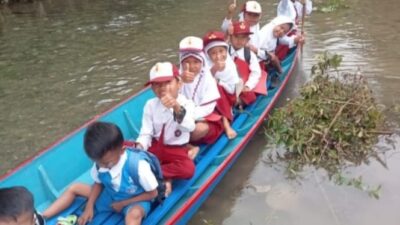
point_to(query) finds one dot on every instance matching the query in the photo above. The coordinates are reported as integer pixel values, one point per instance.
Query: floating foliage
(328, 6)
(335, 122)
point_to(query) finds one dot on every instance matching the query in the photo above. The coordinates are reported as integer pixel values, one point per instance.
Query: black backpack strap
(247, 55)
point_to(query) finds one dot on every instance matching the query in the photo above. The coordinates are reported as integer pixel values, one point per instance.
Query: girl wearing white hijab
(199, 86)
(276, 30)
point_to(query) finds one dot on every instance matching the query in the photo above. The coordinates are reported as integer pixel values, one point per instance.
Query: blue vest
(128, 188)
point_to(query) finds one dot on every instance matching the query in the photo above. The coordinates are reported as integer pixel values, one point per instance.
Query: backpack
(155, 168)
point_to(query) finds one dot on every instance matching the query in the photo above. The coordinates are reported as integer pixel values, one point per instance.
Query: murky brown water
(62, 62)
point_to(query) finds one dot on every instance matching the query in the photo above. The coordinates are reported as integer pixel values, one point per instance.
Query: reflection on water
(62, 62)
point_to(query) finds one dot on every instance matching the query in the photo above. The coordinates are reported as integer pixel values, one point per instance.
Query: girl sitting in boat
(273, 32)
(224, 70)
(247, 64)
(116, 188)
(200, 86)
(251, 14)
(167, 122)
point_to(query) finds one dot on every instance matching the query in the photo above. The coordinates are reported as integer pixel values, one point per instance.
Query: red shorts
(174, 160)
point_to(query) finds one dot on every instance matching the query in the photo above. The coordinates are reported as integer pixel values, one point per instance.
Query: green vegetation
(334, 123)
(327, 6)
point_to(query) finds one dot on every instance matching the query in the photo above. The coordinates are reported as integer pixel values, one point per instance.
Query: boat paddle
(302, 23)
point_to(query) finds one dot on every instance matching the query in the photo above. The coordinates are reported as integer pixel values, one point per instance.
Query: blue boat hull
(51, 171)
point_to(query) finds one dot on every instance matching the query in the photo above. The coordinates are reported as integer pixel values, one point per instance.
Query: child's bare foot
(192, 153)
(168, 187)
(230, 133)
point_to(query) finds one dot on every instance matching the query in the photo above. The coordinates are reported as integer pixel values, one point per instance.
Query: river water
(63, 62)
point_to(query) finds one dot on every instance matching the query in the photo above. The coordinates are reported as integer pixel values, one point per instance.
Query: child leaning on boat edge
(114, 189)
(17, 207)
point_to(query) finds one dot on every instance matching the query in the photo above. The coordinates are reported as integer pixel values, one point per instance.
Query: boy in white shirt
(167, 122)
(114, 189)
(254, 79)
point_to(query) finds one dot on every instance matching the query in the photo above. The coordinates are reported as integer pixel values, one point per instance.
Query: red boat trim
(188, 204)
(41, 152)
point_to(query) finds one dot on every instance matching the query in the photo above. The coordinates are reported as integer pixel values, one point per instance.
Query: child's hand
(187, 76)
(245, 89)
(117, 206)
(299, 39)
(86, 216)
(231, 9)
(168, 101)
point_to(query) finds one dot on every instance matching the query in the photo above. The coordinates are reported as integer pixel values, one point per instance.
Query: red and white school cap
(191, 47)
(213, 39)
(191, 44)
(252, 7)
(163, 71)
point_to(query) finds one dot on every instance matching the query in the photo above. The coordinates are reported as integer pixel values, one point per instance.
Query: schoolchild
(201, 87)
(167, 122)
(246, 61)
(116, 187)
(17, 207)
(251, 14)
(273, 33)
(224, 70)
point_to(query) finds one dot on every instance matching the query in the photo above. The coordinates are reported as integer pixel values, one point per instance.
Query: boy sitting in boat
(247, 64)
(167, 122)
(224, 71)
(114, 189)
(200, 86)
(251, 14)
(17, 208)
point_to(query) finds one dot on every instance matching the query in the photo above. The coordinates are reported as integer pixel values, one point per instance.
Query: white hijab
(268, 41)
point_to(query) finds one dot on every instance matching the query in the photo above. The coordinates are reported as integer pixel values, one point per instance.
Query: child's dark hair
(102, 137)
(14, 202)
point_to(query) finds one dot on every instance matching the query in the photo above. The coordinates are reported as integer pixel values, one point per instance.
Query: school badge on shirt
(178, 133)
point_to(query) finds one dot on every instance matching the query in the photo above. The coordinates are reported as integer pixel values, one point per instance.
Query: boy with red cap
(167, 122)
(253, 77)
(201, 87)
(224, 70)
(251, 14)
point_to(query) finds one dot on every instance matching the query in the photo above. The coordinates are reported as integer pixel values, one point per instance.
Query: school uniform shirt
(156, 115)
(203, 91)
(229, 77)
(254, 66)
(146, 179)
(254, 38)
(269, 41)
(287, 8)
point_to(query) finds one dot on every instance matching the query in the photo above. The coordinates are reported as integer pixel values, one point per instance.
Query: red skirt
(225, 103)
(215, 129)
